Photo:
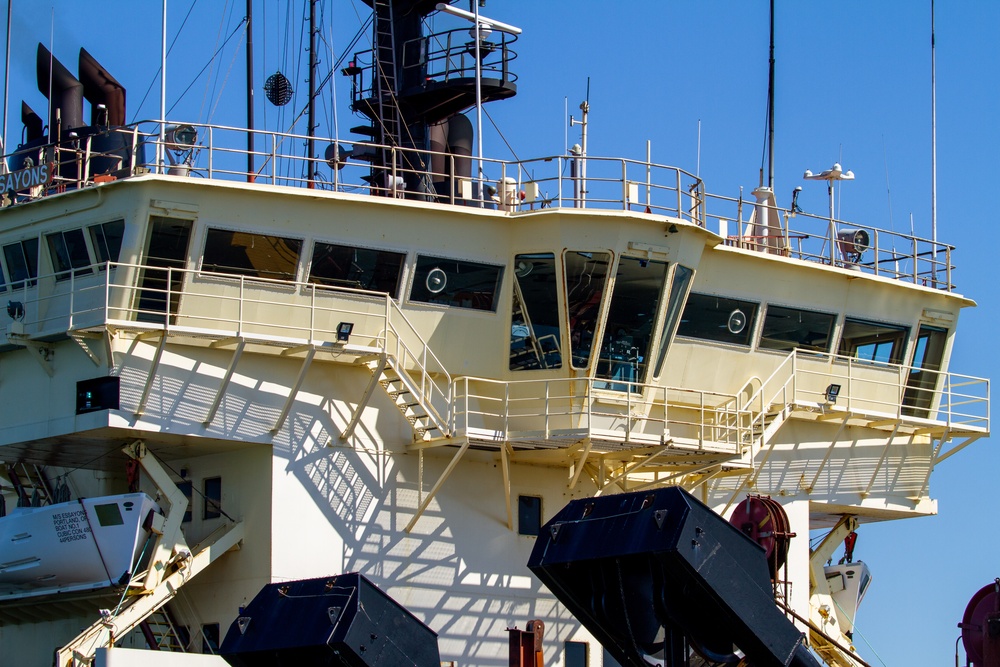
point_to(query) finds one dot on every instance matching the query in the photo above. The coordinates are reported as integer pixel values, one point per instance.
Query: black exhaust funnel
(99, 87)
(65, 97)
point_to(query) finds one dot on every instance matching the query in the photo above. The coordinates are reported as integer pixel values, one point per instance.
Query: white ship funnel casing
(74, 546)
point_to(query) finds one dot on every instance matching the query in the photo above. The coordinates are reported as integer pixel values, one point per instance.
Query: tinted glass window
(107, 240)
(586, 279)
(790, 328)
(362, 268)
(718, 318)
(678, 290)
(213, 498)
(628, 332)
(576, 654)
(453, 282)
(246, 254)
(68, 251)
(22, 262)
(534, 320)
(872, 341)
(529, 515)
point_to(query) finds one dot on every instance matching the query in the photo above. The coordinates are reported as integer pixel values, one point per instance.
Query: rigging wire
(216, 93)
(497, 128)
(207, 65)
(159, 67)
(208, 81)
(218, 98)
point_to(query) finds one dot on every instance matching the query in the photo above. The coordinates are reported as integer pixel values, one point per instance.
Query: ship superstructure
(332, 391)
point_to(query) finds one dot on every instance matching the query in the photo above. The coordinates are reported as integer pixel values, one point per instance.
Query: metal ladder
(30, 484)
(162, 633)
(387, 123)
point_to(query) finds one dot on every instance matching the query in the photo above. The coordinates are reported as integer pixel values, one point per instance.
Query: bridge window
(534, 330)
(577, 654)
(362, 268)
(586, 279)
(718, 318)
(68, 251)
(529, 515)
(871, 341)
(107, 240)
(22, 262)
(628, 332)
(789, 328)
(213, 498)
(678, 292)
(924, 375)
(452, 282)
(246, 254)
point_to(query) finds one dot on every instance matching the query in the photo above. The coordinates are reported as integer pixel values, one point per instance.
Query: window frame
(400, 277)
(748, 333)
(762, 328)
(419, 274)
(236, 272)
(61, 250)
(30, 278)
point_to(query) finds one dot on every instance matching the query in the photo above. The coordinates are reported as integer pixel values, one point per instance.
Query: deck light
(15, 310)
(344, 330)
(832, 392)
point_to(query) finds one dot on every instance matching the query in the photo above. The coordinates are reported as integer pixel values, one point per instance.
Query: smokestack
(33, 124)
(99, 87)
(66, 98)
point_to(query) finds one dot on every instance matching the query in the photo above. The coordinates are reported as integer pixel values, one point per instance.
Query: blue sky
(853, 85)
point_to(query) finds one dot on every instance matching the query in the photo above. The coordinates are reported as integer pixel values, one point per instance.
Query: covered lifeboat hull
(74, 546)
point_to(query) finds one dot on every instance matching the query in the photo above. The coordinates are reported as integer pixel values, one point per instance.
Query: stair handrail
(430, 392)
(757, 417)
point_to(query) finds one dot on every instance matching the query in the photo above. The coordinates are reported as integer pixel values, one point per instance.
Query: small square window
(185, 487)
(577, 654)
(210, 638)
(213, 498)
(529, 515)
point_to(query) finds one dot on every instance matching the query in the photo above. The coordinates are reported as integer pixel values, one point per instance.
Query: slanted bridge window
(362, 268)
(872, 341)
(534, 320)
(246, 254)
(69, 253)
(454, 282)
(22, 262)
(628, 332)
(107, 241)
(786, 329)
(718, 318)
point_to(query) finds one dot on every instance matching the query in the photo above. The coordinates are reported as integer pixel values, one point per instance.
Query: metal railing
(892, 391)
(290, 313)
(202, 303)
(558, 409)
(219, 152)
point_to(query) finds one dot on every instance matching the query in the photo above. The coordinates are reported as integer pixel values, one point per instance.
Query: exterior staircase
(162, 633)
(408, 395)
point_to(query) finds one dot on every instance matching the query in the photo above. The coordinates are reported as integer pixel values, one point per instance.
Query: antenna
(250, 136)
(697, 163)
(581, 151)
(933, 157)
(6, 86)
(770, 109)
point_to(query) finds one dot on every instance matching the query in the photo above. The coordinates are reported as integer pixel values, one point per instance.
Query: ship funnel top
(100, 88)
(65, 95)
